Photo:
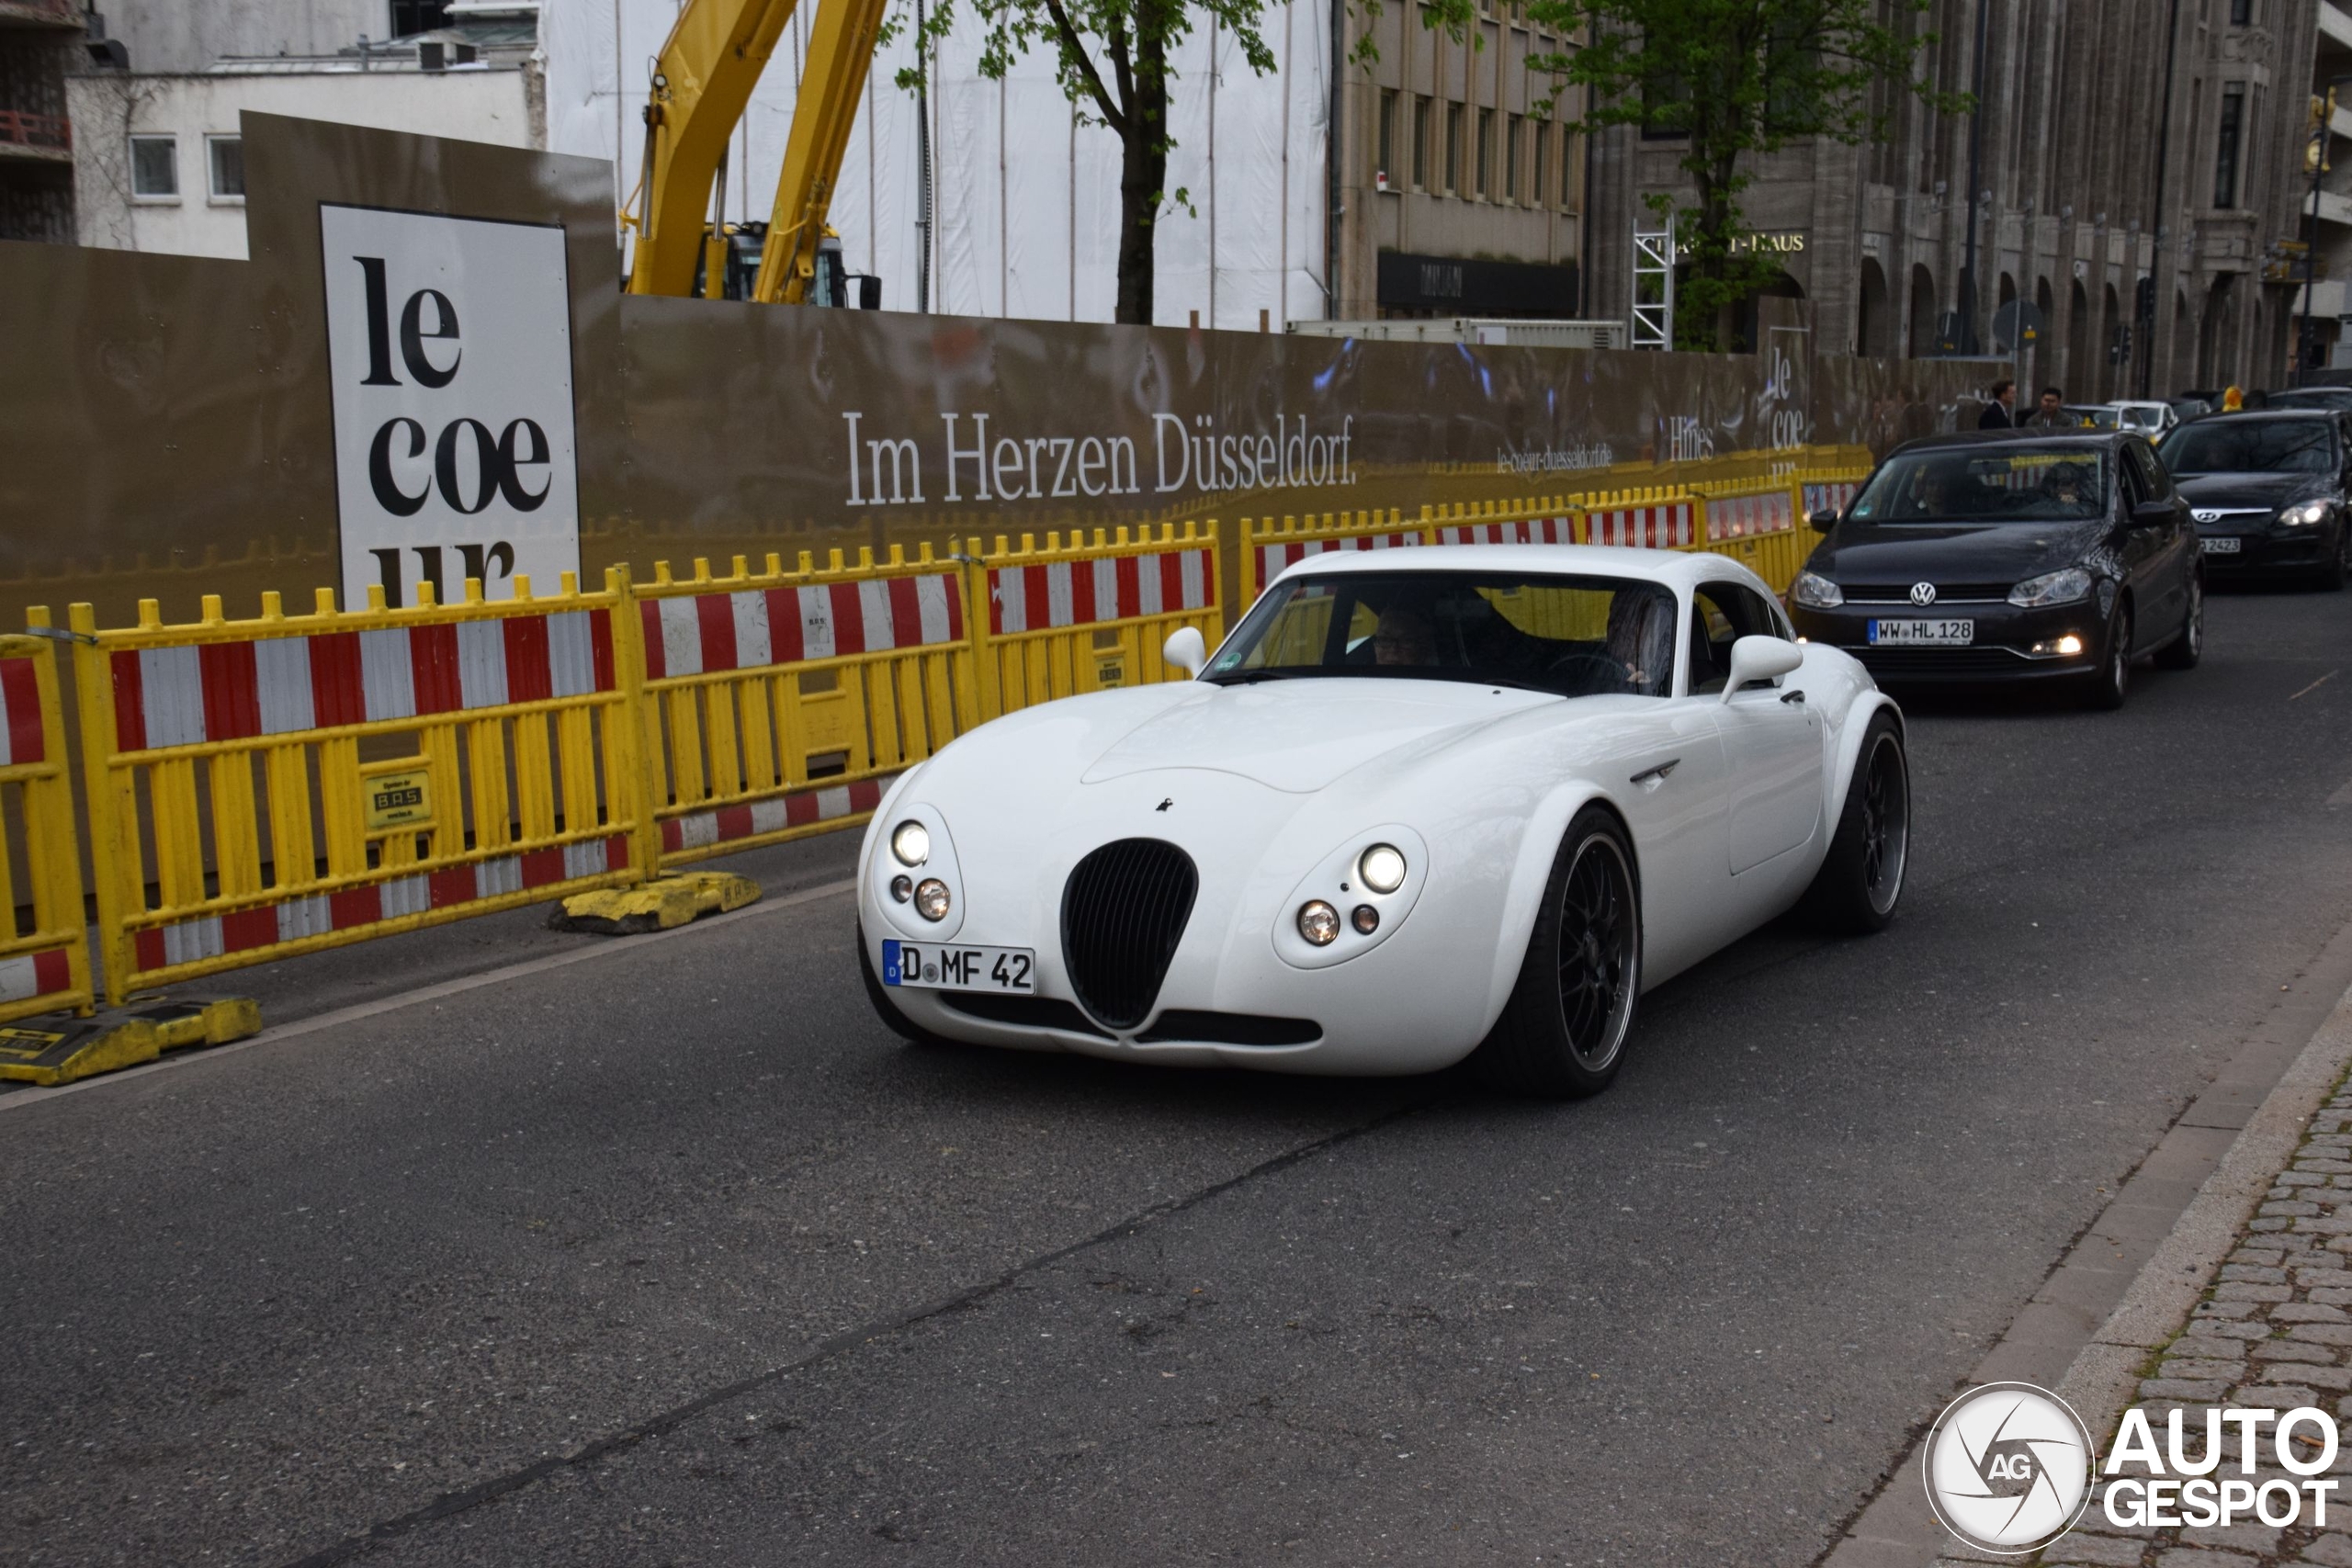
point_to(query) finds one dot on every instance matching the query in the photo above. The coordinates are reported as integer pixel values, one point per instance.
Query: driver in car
(1405, 638)
(1641, 637)
(2064, 487)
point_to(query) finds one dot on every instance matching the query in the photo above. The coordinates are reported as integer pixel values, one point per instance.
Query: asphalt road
(674, 1255)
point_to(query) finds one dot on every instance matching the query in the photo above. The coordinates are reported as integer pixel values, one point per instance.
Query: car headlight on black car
(1816, 592)
(2303, 514)
(2063, 587)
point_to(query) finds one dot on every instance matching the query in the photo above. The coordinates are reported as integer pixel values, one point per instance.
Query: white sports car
(1422, 804)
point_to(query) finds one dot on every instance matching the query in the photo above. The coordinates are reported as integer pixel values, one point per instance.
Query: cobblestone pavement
(2275, 1332)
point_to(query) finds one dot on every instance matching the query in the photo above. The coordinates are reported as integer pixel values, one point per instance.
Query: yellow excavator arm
(703, 79)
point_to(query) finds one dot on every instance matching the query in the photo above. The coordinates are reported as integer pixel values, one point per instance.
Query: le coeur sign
(450, 351)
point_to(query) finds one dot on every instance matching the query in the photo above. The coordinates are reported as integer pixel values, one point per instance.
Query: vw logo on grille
(1922, 594)
(2206, 514)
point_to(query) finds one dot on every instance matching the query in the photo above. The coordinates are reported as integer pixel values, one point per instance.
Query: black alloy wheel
(2338, 570)
(1563, 1030)
(1860, 879)
(2183, 651)
(2113, 681)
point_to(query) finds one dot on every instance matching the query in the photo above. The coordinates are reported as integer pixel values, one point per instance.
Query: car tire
(1860, 881)
(1562, 1034)
(898, 1023)
(2112, 684)
(2183, 651)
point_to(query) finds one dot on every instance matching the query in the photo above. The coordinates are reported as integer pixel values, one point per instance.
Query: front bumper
(2262, 548)
(2001, 649)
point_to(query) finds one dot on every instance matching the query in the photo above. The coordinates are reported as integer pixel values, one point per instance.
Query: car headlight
(1318, 922)
(931, 898)
(2303, 515)
(910, 841)
(1816, 592)
(1382, 868)
(2053, 587)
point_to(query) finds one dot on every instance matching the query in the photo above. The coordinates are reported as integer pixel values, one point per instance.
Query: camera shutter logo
(2009, 1468)
(1923, 594)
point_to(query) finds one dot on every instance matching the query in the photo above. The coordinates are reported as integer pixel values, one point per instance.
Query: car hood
(1946, 552)
(2233, 490)
(1299, 736)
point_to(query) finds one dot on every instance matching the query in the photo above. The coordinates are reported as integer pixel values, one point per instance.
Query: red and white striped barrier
(20, 741)
(1532, 531)
(1118, 587)
(1275, 559)
(1838, 493)
(1660, 527)
(278, 685)
(701, 829)
(186, 942)
(30, 974)
(1745, 516)
(702, 633)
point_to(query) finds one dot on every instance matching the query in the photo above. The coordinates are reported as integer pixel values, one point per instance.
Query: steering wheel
(1615, 674)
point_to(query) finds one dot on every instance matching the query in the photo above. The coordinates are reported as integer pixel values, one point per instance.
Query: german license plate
(1915, 633)
(942, 968)
(2219, 545)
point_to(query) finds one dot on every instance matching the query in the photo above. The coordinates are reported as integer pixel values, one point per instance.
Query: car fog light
(910, 841)
(2057, 647)
(1318, 922)
(2070, 644)
(1382, 868)
(1366, 919)
(902, 888)
(930, 899)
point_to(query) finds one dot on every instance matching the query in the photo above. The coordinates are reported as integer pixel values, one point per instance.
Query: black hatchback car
(2009, 555)
(2267, 491)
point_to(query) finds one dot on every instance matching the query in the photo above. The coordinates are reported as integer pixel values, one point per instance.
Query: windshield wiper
(1248, 677)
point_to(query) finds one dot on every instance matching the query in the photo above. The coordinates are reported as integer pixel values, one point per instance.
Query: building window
(225, 156)
(1511, 158)
(1486, 152)
(156, 167)
(1420, 143)
(413, 16)
(1388, 164)
(1453, 147)
(2241, 13)
(2225, 161)
(1542, 162)
(1568, 172)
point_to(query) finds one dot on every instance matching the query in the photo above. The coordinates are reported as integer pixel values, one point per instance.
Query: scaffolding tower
(1653, 322)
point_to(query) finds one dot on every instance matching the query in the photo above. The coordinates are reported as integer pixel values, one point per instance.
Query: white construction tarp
(1025, 198)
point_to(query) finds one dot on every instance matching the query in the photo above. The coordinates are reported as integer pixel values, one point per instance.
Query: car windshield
(2143, 416)
(2251, 446)
(2098, 416)
(1574, 635)
(1987, 484)
(2336, 398)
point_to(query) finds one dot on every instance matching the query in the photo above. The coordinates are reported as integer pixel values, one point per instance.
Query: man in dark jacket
(2000, 400)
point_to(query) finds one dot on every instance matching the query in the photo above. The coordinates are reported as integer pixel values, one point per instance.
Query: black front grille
(1123, 910)
(1900, 593)
(1951, 664)
(1229, 1029)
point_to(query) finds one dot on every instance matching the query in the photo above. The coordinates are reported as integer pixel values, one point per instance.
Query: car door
(2171, 548)
(1771, 738)
(2140, 551)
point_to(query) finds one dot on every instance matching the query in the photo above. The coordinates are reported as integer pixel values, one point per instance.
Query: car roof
(2241, 416)
(1674, 568)
(2027, 435)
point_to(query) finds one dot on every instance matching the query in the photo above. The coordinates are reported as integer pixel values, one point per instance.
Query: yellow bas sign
(396, 800)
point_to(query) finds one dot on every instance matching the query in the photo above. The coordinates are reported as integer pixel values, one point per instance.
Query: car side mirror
(1187, 650)
(2153, 514)
(1760, 658)
(1822, 520)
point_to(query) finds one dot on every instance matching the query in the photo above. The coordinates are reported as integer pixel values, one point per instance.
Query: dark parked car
(2009, 555)
(2336, 400)
(2267, 491)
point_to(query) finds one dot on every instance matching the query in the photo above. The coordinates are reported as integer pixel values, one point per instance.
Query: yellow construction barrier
(1090, 615)
(350, 775)
(779, 703)
(45, 968)
(1271, 546)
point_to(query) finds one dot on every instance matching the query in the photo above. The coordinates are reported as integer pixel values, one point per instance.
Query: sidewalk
(2274, 1330)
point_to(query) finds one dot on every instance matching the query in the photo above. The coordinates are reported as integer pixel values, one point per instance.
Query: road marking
(2315, 684)
(582, 954)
